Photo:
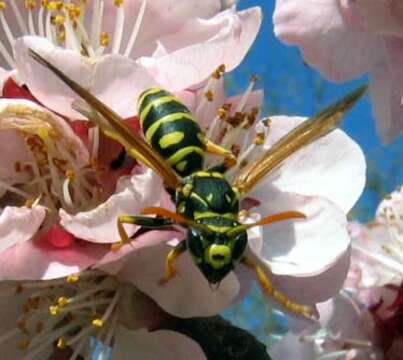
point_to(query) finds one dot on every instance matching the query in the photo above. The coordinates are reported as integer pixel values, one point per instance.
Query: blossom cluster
(344, 39)
(64, 183)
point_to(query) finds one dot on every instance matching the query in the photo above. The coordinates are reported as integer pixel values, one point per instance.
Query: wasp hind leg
(229, 157)
(268, 289)
(144, 221)
(170, 270)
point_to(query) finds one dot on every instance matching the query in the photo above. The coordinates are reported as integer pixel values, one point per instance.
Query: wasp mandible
(207, 205)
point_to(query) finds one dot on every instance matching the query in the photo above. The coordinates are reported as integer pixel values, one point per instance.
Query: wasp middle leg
(144, 221)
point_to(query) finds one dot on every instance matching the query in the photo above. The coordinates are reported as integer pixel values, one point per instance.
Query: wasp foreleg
(170, 270)
(268, 289)
(229, 157)
(143, 221)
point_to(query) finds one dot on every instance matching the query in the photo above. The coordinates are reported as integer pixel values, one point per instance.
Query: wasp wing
(134, 144)
(311, 129)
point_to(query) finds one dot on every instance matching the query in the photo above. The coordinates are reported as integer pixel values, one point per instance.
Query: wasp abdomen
(171, 130)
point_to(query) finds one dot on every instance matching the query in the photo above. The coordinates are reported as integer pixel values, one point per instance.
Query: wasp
(207, 205)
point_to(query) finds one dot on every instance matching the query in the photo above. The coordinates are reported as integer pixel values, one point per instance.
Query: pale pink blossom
(344, 39)
(175, 44)
(377, 247)
(68, 312)
(345, 332)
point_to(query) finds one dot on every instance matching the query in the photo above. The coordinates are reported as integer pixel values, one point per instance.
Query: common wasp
(207, 205)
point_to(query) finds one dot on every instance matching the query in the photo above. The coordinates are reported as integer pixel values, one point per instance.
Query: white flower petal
(19, 224)
(303, 246)
(223, 39)
(114, 79)
(327, 41)
(186, 295)
(332, 167)
(132, 195)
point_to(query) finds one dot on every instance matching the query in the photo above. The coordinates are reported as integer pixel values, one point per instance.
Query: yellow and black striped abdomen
(171, 130)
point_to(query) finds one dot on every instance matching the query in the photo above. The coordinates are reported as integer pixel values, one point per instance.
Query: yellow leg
(268, 289)
(170, 270)
(124, 238)
(230, 159)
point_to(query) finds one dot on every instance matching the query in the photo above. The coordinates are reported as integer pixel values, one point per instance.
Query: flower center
(66, 313)
(60, 175)
(231, 126)
(62, 23)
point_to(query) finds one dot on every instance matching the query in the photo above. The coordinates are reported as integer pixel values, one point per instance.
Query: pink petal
(107, 77)
(386, 88)
(327, 40)
(19, 224)
(160, 19)
(288, 245)
(132, 195)
(223, 39)
(188, 294)
(374, 266)
(161, 344)
(384, 17)
(114, 261)
(332, 167)
(71, 140)
(34, 260)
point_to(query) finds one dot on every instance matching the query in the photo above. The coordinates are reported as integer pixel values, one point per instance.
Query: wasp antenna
(286, 215)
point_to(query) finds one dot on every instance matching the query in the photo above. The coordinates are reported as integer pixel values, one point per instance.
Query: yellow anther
(219, 72)
(73, 278)
(54, 310)
(63, 301)
(59, 20)
(61, 343)
(71, 175)
(253, 78)
(29, 203)
(54, 5)
(23, 344)
(209, 95)
(44, 3)
(97, 322)
(104, 38)
(3, 5)
(30, 4)
(266, 122)
(118, 3)
(259, 139)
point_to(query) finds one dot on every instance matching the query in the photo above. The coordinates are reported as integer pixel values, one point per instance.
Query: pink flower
(344, 39)
(377, 247)
(69, 312)
(345, 332)
(137, 45)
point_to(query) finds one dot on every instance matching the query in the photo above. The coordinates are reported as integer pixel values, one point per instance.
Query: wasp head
(215, 253)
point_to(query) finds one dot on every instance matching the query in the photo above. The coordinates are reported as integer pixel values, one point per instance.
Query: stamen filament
(119, 25)
(19, 18)
(136, 28)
